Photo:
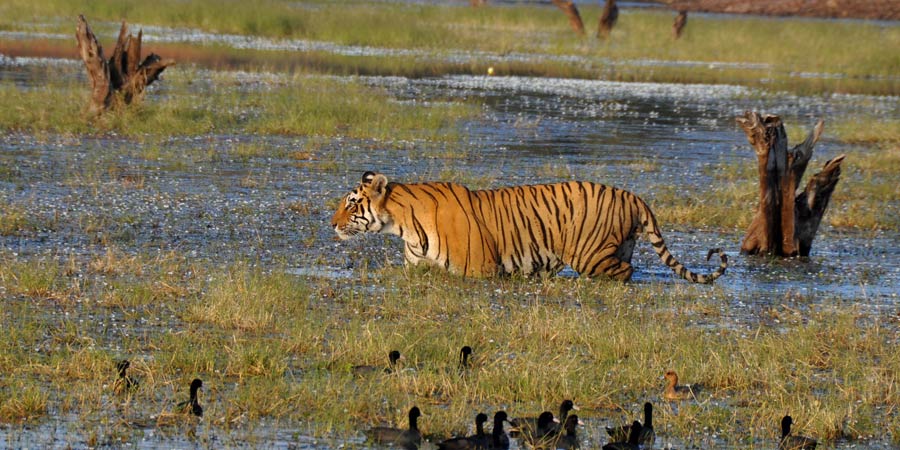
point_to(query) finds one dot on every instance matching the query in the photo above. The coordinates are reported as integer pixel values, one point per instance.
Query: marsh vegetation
(190, 234)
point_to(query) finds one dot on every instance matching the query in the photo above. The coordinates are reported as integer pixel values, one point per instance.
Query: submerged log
(571, 11)
(607, 19)
(786, 221)
(121, 79)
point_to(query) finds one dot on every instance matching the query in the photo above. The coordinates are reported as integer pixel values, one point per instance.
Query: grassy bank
(194, 103)
(786, 54)
(269, 345)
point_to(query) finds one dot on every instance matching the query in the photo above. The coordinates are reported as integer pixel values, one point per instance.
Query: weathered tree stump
(786, 221)
(678, 25)
(607, 19)
(120, 80)
(568, 7)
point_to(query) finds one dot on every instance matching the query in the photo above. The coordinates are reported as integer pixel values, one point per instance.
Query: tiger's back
(524, 229)
(542, 228)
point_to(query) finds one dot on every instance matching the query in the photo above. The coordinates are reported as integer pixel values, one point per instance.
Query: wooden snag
(786, 221)
(571, 11)
(678, 25)
(608, 18)
(121, 79)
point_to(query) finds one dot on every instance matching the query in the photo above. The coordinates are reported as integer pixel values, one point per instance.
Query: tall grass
(785, 53)
(273, 345)
(301, 105)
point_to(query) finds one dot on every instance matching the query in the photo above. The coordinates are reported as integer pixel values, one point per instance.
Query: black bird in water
(499, 439)
(544, 431)
(633, 437)
(408, 439)
(570, 439)
(192, 405)
(125, 383)
(393, 357)
(647, 436)
(464, 354)
(793, 442)
(479, 440)
(530, 424)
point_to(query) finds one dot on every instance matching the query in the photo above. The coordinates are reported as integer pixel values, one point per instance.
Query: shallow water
(637, 136)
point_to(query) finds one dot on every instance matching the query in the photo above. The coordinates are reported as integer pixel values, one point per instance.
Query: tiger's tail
(648, 222)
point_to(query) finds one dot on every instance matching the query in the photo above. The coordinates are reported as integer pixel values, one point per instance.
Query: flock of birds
(545, 431)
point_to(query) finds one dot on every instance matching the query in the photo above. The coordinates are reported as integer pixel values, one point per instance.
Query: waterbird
(569, 440)
(479, 440)
(393, 357)
(408, 439)
(633, 439)
(499, 439)
(793, 442)
(192, 405)
(543, 431)
(125, 382)
(530, 423)
(674, 391)
(464, 354)
(647, 436)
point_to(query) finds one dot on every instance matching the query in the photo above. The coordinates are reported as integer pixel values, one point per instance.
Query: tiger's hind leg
(611, 261)
(618, 270)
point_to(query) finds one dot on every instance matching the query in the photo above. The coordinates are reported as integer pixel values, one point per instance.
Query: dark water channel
(202, 200)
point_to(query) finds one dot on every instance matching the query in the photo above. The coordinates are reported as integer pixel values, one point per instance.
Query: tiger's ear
(374, 182)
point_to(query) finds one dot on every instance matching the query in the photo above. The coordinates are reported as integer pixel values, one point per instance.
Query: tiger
(529, 229)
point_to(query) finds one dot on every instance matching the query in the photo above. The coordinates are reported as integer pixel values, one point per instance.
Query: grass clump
(13, 219)
(306, 106)
(26, 402)
(249, 300)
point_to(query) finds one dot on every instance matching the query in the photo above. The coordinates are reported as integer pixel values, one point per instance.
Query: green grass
(302, 105)
(273, 345)
(784, 51)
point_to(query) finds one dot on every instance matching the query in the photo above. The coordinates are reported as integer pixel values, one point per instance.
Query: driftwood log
(571, 11)
(121, 79)
(786, 221)
(608, 18)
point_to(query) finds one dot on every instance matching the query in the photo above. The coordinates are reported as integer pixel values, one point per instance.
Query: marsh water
(213, 205)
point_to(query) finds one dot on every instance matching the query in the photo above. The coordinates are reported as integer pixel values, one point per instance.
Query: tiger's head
(361, 211)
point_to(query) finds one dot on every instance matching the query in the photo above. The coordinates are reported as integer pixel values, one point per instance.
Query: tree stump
(120, 80)
(786, 221)
(607, 19)
(678, 25)
(568, 7)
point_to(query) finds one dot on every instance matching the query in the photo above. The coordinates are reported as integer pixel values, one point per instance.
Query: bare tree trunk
(607, 19)
(572, 14)
(860, 9)
(678, 25)
(786, 221)
(121, 78)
